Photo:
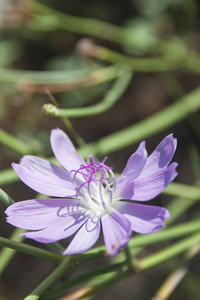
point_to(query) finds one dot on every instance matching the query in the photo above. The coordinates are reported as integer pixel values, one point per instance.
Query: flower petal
(65, 151)
(39, 214)
(143, 189)
(161, 156)
(37, 164)
(60, 228)
(44, 177)
(134, 165)
(116, 231)
(144, 219)
(85, 238)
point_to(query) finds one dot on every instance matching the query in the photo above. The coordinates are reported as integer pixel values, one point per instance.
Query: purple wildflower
(91, 196)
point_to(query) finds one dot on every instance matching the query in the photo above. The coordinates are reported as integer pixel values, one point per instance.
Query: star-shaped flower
(90, 196)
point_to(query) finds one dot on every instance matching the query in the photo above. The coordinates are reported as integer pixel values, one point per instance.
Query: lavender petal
(144, 219)
(116, 231)
(85, 238)
(144, 189)
(134, 165)
(161, 156)
(44, 177)
(65, 151)
(61, 228)
(39, 214)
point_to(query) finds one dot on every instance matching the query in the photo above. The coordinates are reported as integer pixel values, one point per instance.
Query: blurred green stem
(50, 280)
(5, 198)
(187, 61)
(183, 190)
(58, 81)
(168, 252)
(172, 281)
(155, 64)
(14, 143)
(161, 120)
(176, 49)
(7, 254)
(73, 281)
(112, 96)
(80, 141)
(165, 234)
(30, 250)
(54, 19)
(99, 283)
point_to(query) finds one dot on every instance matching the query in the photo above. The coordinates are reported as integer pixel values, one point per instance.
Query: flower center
(94, 183)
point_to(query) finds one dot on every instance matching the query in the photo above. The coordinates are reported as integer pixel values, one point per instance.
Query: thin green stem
(165, 234)
(73, 281)
(99, 283)
(177, 207)
(172, 281)
(183, 190)
(168, 252)
(56, 247)
(89, 27)
(51, 279)
(51, 19)
(112, 96)
(155, 64)
(167, 117)
(58, 81)
(130, 261)
(5, 198)
(14, 143)
(8, 176)
(79, 140)
(30, 250)
(140, 266)
(7, 254)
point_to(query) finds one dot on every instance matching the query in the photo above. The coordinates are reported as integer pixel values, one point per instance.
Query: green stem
(99, 283)
(53, 19)
(169, 116)
(50, 280)
(14, 143)
(142, 265)
(79, 140)
(130, 261)
(172, 281)
(155, 64)
(85, 26)
(110, 99)
(58, 81)
(177, 207)
(7, 254)
(73, 281)
(168, 252)
(30, 250)
(56, 247)
(165, 234)
(8, 176)
(5, 198)
(183, 190)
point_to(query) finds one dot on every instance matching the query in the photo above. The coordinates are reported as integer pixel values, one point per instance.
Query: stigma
(94, 183)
